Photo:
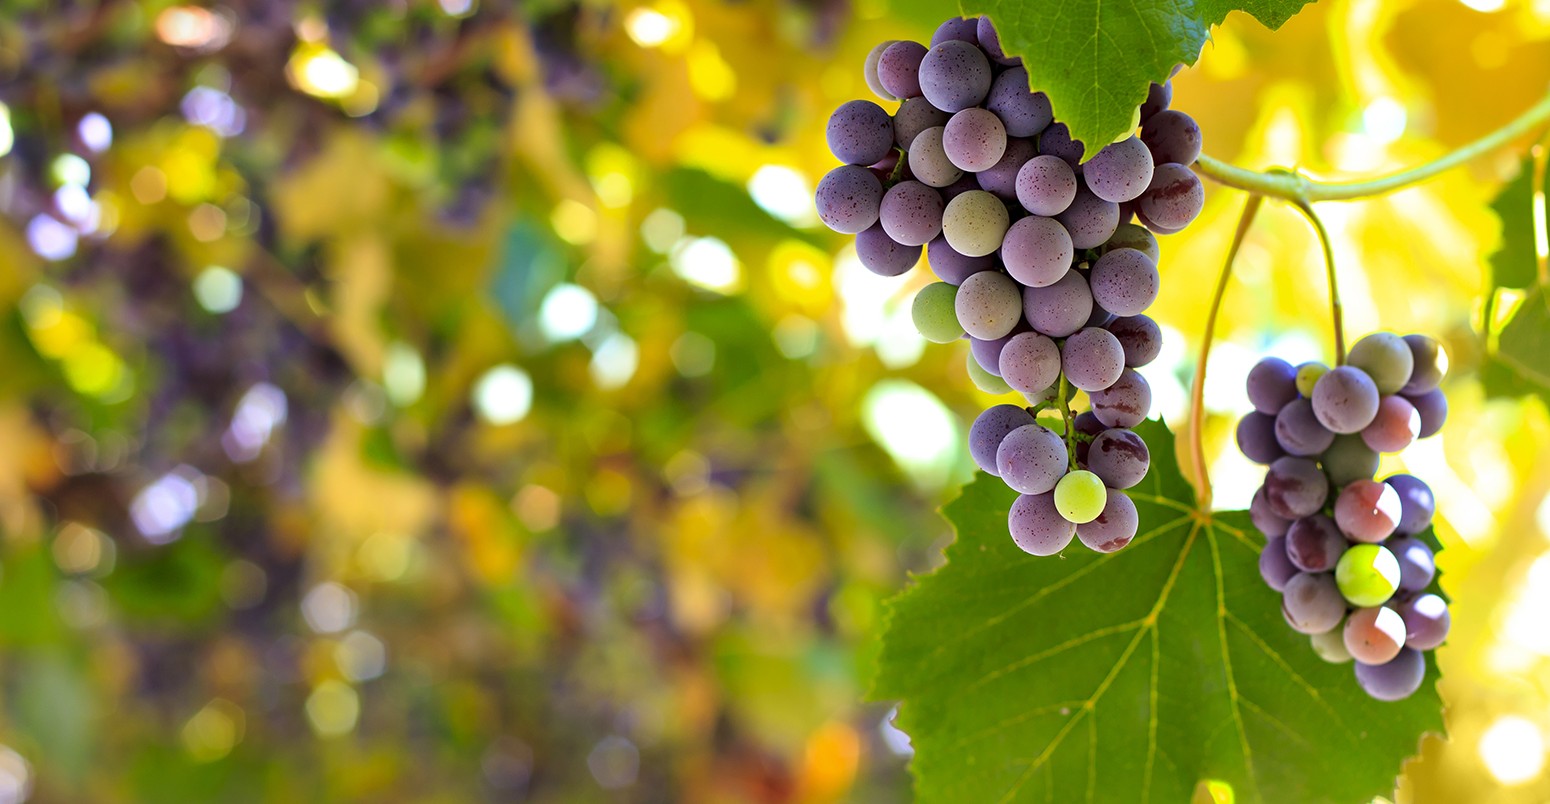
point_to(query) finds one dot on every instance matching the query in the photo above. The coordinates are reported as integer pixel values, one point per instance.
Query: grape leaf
(1516, 367)
(1513, 264)
(1128, 677)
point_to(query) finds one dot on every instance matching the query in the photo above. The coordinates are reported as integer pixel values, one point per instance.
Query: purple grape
(1415, 502)
(1124, 282)
(1314, 544)
(952, 267)
(1311, 602)
(1427, 622)
(963, 30)
(1037, 251)
(974, 139)
(1029, 362)
(1060, 309)
(848, 199)
(928, 161)
(1430, 364)
(1298, 431)
(1433, 407)
(1090, 219)
(1092, 359)
(1129, 235)
(1125, 403)
(1100, 317)
(1417, 565)
(1000, 179)
(1158, 97)
(1056, 140)
(911, 213)
(1267, 521)
(1032, 459)
(1120, 171)
(914, 116)
(1140, 336)
(1367, 511)
(882, 255)
(1274, 566)
(1395, 679)
(1171, 136)
(989, 428)
(1119, 458)
(955, 75)
(1025, 113)
(988, 305)
(1349, 459)
(1046, 185)
(1394, 427)
(1257, 438)
(1295, 488)
(860, 132)
(1173, 199)
(1115, 525)
(988, 353)
(1345, 400)
(1271, 384)
(1037, 527)
(990, 40)
(898, 69)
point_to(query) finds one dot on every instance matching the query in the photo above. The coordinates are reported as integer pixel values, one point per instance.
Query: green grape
(987, 382)
(934, 314)
(1330, 645)
(1367, 574)
(1386, 358)
(975, 223)
(1080, 497)
(1307, 375)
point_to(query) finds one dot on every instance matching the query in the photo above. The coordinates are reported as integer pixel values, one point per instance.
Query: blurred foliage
(440, 401)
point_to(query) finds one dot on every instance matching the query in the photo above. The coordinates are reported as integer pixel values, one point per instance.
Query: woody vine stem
(1302, 192)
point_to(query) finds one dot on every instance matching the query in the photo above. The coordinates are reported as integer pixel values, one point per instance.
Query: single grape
(848, 199)
(1092, 359)
(964, 30)
(1000, 179)
(991, 42)
(934, 314)
(1349, 458)
(1119, 172)
(1295, 487)
(1090, 219)
(985, 381)
(1298, 431)
(1129, 235)
(1367, 511)
(1046, 185)
(1308, 375)
(860, 132)
(1330, 646)
(975, 223)
(898, 68)
(1311, 602)
(1172, 136)
(1271, 383)
(869, 70)
(1158, 98)
(1125, 403)
(974, 139)
(1367, 574)
(1032, 459)
(1119, 458)
(954, 75)
(1433, 409)
(952, 267)
(988, 305)
(1140, 336)
(1114, 526)
(1267, 521)
(1427, 622)
(1416, 503)
(1395, 427)
(1080, 496)
(989, 428)
(1430, 361)
(1257, 438)
(882, 255)
(911, 213)
(914, 116)
(1274, 566)
(1059, 309)
(1124, 282)
(1055, 140)
(1345, 400)
(928, 161)
(1394, 680)
(1037, 251)
(1386, 359)
(1417, 565)
(1374, 635)
(1030, 362)
(1173, 199)
(1314, 544)
(1037, 527)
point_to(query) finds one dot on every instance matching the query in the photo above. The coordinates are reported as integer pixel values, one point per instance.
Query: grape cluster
(1343, 548)
(1040, 266)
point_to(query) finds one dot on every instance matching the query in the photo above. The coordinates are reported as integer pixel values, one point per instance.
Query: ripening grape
(974, 139)
(1311, 602)
(989, 428)
(860, 132)
(1345, 399)
(1032, 459)
(1395, 426)
(914, 116)
(928, 161)
(1037, 527)
(1385, 358)
(1330, 646)
(975, 223)
(1120, 171)
(1130, 235)
(1124, 282)
(1024, 112)
(1115, 525)
(1059, 309)
(1119, 458)
(1046, 185)
(1298, 431)
(1374, 635)
(1092, 359)
(964, 30)
(1172, 136)
(848, 199)
(1367, 511)
(898, 68)
(952, 267)
(1395, 679)
(1030, 362)
(1037, 251)
(1140, 337)
(1295, 488)
(1314, 544)
(1266, 520)
(1257, 438)
(1308, 375)
(988, 305)
(954, 75)
(991, 42)
(1000, 179)
(1416, 503)
(1080, 496)
(1427, 621)
(882, 255)
(1090, 219)
(1173, 199)
(1158, 98)
(1417, 565)
(1433, 409)
(1349, 458)
(1271, 383)
(911, 213)
(1056, 141)
(869, 70)
(1274, 566)
(1125, 403)
(1430, 361)
(934, 314)
(1367, 574)
(985, 381)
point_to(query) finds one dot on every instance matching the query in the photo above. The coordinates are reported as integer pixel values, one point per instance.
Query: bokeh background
(458, 401)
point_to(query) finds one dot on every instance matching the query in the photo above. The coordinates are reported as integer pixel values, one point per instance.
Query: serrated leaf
(1128, 677)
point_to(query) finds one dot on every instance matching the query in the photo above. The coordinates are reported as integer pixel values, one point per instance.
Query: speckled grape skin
(975, 223)
(1032, 459)
(1172, 136)
(848, 199)
(1025, 113)
(1037, 251)
(1119, 457)
(1037, 527)
(1130, 235)
(911, 213)
(882, 255)
(990, 40)
(964, 30)
(928, 162)
(1090, 219)
(955, 75)
(974, 139)
(1140, 336)
(914, 116)
(1046, 185)
(860, 132)
(987, 306)
(952, 267)
(1124, 282)
(1120, 172)
(987, 353)
(989, 428)
(1173, 199)
(1114, 527)
(898, 68)
(869, 70)
(1295, 488)
(1055, 140)
(1158, 98)
(1345, 400)
(1092, 359)
(1000, 179)
(1125, 403)
(1299, 432)
(1059, 309)
(1029, 362)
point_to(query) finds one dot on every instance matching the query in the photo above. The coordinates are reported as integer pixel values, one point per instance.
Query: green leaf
(1516, 367)
(1128, 677)
(1513, 264)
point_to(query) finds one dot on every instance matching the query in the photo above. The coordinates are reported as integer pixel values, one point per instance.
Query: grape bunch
(1040, 266)
(1342, 548)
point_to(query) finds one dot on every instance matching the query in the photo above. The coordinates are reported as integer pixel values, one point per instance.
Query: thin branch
(1293, 186)
(1067, 418)
(1336, 311)
(1197, 393)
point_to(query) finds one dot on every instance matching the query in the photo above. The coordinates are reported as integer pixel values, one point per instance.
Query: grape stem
(1293, 186)
(1070, 421)
(1336, 311)
(1197, 392)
